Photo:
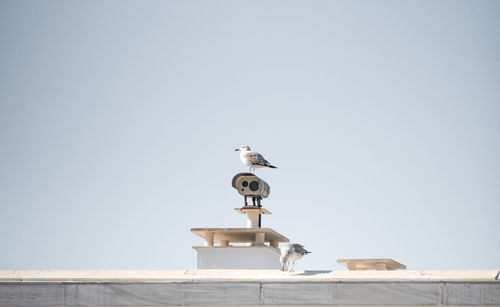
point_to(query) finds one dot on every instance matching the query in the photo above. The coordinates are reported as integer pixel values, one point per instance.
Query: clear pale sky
(119, 120)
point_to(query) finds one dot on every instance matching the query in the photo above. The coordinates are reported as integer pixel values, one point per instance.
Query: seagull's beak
(237, 149)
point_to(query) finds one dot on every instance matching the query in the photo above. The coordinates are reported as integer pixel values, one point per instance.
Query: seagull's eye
(245, 184)
(254, 186)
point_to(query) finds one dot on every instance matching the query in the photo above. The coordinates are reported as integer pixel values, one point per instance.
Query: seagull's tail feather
(264, 164)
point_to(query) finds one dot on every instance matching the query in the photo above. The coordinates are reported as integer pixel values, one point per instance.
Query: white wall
(237, 257)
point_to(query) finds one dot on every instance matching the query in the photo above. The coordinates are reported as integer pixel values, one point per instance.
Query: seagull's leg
(293, 265)
(287, 265)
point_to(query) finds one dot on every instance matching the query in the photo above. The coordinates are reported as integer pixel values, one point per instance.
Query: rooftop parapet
(249, 288)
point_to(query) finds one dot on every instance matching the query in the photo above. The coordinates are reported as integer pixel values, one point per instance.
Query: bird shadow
(312, 273)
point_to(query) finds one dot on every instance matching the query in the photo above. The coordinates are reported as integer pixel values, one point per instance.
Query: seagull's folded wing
(257, 159)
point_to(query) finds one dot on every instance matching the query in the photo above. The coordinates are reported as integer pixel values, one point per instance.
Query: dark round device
(254, 186)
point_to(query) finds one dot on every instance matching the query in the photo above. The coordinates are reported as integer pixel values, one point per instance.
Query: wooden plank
(381, 264)
(471, 293)
(34, 294)
(239, 235)
(350, 294)
(130, 294)
(244, 210)
(225, 293)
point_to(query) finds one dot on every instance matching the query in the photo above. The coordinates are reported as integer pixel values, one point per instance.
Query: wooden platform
(246, 209)
(382, 264)
(225, 236)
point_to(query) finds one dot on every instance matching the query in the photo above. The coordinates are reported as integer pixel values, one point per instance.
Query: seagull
(252, 159)
(291, 252)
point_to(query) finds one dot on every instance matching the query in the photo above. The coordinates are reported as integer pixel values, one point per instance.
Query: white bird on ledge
(291, 252)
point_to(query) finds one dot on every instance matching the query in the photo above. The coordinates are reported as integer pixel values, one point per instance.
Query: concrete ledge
(247, 287)
(124, 276)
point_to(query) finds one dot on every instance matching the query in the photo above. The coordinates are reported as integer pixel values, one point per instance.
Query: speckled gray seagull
(291, 252)
(253, 159)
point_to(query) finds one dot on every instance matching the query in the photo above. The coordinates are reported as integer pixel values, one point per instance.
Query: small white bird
(253, 159)
(291, 252)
